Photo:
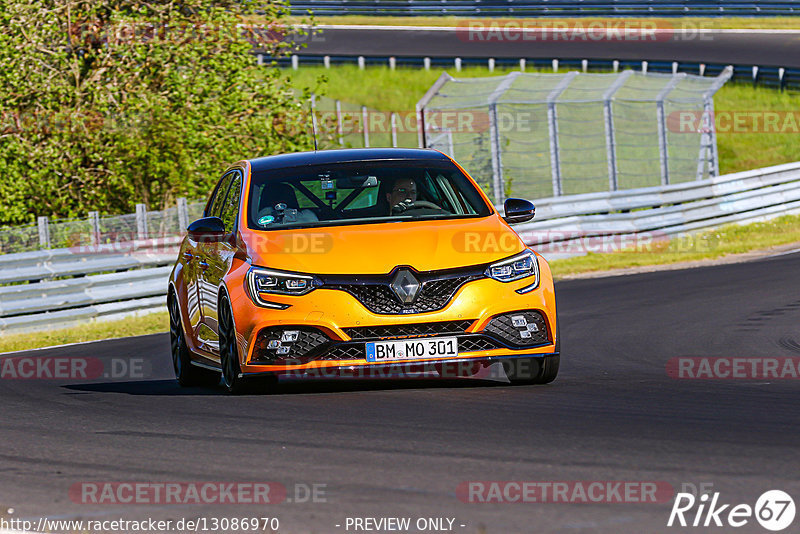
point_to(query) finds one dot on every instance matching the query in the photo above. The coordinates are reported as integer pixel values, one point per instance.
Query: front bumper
(337, 315)
(521, 365)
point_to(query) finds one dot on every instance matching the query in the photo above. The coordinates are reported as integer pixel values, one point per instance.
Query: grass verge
(399, 90)
(772, 23)
(151, 323)
(710, 245)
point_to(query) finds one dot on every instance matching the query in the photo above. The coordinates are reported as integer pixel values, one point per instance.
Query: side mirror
(207, 229)
(518, 210)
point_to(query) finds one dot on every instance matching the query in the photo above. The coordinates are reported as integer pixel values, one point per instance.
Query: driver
(404, 191)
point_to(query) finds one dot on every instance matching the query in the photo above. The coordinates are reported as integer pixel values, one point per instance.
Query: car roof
(299, 159)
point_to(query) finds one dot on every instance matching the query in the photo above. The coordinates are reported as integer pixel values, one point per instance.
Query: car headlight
(514, 268)
(266, 281)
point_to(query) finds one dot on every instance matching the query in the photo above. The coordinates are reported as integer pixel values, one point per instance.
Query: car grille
(437, 289)
(408, 330)
(519, 329)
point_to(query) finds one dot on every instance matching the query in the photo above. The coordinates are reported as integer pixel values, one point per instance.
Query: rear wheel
(187, 374)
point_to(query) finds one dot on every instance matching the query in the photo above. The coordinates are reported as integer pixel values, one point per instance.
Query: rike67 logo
(774, 510)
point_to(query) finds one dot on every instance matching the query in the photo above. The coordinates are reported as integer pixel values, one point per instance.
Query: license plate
(412, 349)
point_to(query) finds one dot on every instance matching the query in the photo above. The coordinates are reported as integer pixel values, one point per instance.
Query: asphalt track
(779, 48)
(402, 448)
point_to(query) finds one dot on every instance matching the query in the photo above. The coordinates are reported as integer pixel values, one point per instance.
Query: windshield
(361, 192)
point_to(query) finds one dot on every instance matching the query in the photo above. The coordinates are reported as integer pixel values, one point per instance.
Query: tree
(106, 103)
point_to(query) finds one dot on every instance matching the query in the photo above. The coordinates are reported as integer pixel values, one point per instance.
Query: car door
(189, 258)
(216, 258)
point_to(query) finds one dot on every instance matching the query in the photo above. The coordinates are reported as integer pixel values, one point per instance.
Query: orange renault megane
(347, 261)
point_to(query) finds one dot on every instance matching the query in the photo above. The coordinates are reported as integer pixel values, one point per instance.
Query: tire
(188, 375)
(229, 357)
(519, 371)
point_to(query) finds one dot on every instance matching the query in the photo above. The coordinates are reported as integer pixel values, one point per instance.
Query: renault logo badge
(405, 285)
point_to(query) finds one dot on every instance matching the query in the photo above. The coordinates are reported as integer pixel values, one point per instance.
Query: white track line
(489, 25)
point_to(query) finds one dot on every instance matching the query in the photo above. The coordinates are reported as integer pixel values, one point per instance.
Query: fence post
(708, 140)
(392, 63)
(326, 61)
(339, 122)
(44, 231)
(94, 221)
(458, 64)
(611, 149)
(141, 221)
(365, 125)
(552, 128)
(295, 62)
(314, 117)
(183, 214)
(498, 180)
(361, 62)
(426, 62)
(393, 120)
(661, 116)
(423, 102)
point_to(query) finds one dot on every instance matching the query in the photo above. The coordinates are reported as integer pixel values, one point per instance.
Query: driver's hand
(400, 207)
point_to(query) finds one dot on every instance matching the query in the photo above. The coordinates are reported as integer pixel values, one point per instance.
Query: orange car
(358, 262)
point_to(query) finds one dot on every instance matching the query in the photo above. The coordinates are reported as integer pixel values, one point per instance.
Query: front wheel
(522, 371)
(187, 374)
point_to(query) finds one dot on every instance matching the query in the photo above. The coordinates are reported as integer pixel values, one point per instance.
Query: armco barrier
(47, 289)
(551, 8)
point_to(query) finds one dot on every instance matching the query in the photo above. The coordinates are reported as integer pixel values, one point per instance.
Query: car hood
(379, 248)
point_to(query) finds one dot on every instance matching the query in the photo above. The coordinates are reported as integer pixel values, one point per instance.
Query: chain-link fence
(542, 135)
(96, 230)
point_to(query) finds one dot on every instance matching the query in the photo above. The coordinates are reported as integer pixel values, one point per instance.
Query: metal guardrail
(55, 288)
(767, 76)
(548, 8)
(564, 224)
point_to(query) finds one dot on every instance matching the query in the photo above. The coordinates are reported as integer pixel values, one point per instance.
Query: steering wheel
(407, 205)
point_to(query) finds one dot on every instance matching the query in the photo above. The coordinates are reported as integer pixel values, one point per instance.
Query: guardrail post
(393, 121)
(365, 121)
(44, 231)
(94, 221)
(183, 214)
(339, 122)
(661, 117)
(611, 148)
(552, 127)
(141, 221)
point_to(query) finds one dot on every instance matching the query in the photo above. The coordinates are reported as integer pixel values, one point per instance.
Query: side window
(230, 208)
(215, 204)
